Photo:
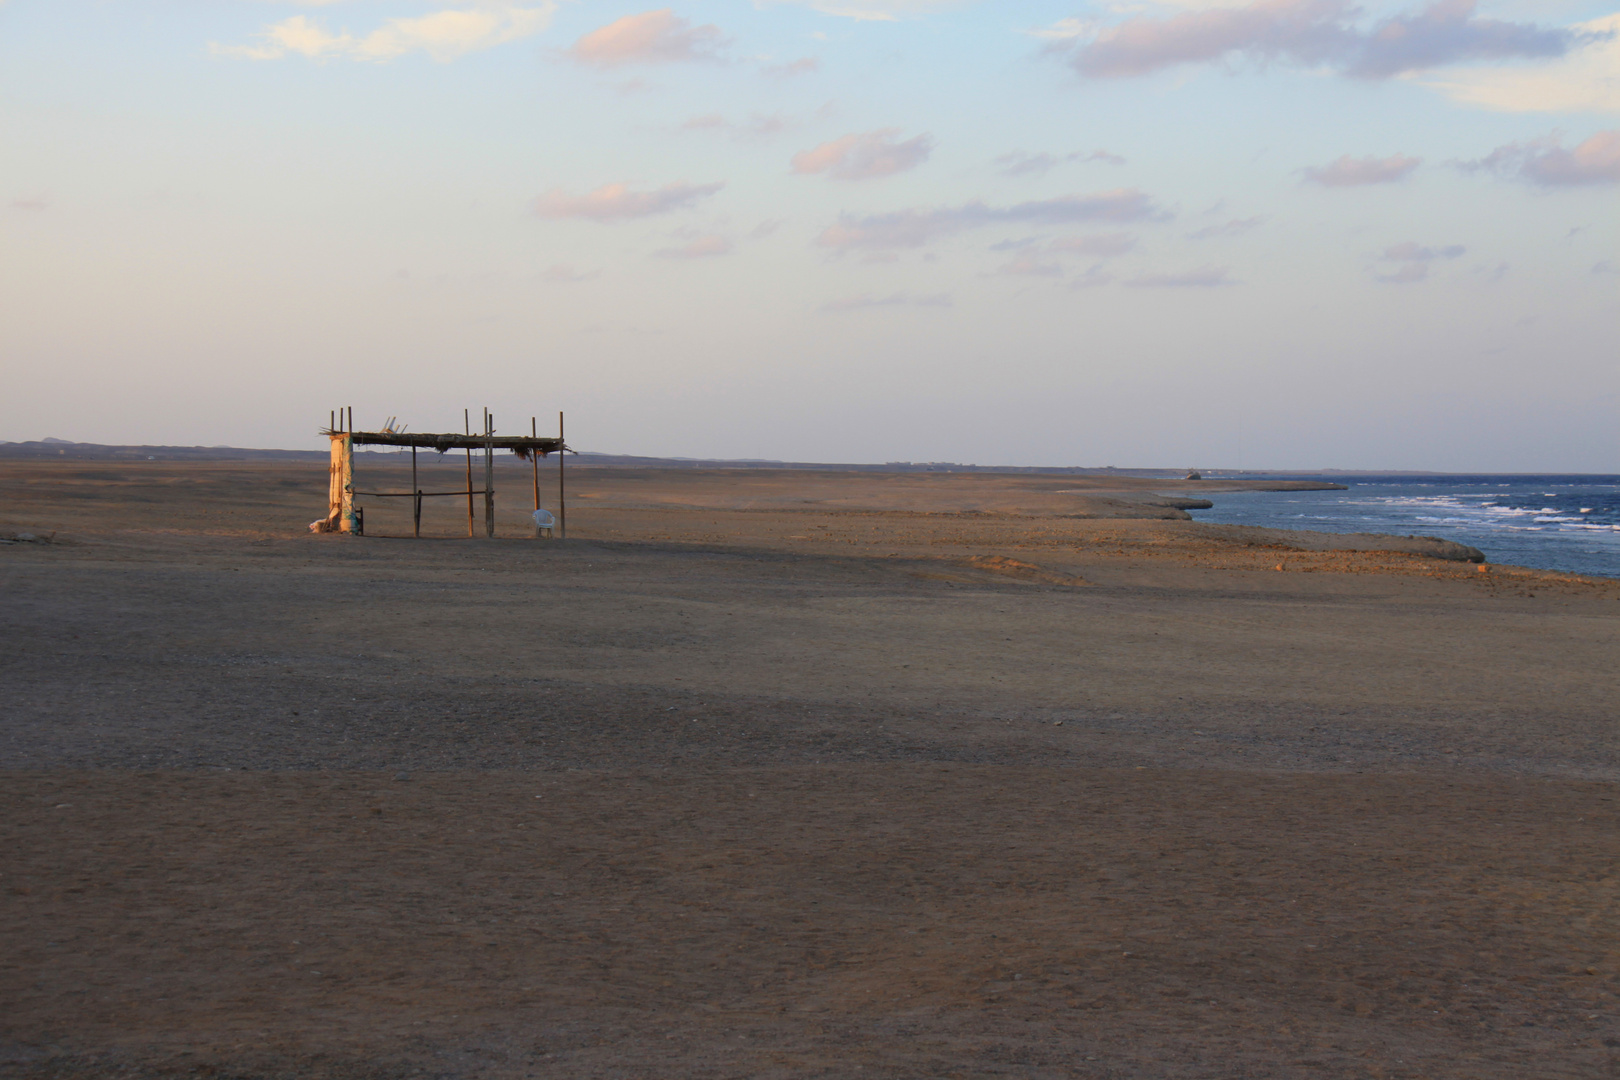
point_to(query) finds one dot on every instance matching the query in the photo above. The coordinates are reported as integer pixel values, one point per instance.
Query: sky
(1287, 234)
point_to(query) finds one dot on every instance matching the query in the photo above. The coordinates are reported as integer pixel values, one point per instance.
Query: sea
(1565, 523)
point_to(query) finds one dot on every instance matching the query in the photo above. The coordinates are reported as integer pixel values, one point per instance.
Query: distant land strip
(64, 449)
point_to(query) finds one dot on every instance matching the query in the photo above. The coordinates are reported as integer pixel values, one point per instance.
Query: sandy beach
(775, 774)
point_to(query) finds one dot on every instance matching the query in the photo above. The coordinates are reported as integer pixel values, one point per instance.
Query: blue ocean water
(1568, 523)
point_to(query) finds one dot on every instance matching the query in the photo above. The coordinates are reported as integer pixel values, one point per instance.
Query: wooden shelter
(343, 513)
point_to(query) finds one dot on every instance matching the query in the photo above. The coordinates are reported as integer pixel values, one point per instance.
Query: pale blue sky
(1286, 234)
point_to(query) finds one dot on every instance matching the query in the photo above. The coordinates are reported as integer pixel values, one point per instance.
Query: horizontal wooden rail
(414, 494)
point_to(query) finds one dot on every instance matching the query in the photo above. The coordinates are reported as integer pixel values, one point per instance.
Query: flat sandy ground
(773, 774)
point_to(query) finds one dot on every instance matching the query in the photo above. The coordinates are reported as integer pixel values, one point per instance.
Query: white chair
(544, 523)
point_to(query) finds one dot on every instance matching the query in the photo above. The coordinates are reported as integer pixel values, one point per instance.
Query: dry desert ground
(778, 774)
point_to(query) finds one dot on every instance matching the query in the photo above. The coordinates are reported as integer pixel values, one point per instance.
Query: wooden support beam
(489, 475)
(466, 422)
(340, 487)
(334, 482)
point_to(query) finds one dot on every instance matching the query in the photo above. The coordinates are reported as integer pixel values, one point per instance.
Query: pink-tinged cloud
(652, 37)
(1317, 32)
(35, 204)
(1544, 161)
(616, 202)
(1346, 171)
(900, 299)
(916, 228)
(865, 156)
(1235, 227)
(1205, 277)
(1018, 163)
(704, 247)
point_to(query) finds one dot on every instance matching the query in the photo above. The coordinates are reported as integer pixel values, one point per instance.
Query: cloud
(1031, 265)
(1317, 32)
(1018, 163)
(808, 65)
(757, 126)
(1100, 245)
(1544, 161)
(652, 37)
(1587, 79)
(1068, 29)
(899, 299)
(916, 228)
(1412, 251)
(1412, 261)
(1346, 171)
(443, 35)
(616, 202)
(865, 156)
(1205, 277)
(33, 203)
(1235, 227)
(704, 247)
(873, 10)
(295, 35)
(1091, 279)
(1408, 274)
(1447, 32)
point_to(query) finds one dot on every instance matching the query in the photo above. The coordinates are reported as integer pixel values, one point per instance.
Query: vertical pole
(346, 521)
(562, 494)
(416, 498)
(534, 459)
(331, 420)
(334, 481)
(489, 474)
(466, 422)
(351, 418)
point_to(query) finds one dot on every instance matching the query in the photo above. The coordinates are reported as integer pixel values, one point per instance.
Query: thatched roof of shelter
(522, 445)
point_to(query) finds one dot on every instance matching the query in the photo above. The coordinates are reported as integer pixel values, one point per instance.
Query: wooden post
(343, 481)
(534, 459)
(562, 497)
(466, 422)
(334, 481)
(416, 529)
(489, 474)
